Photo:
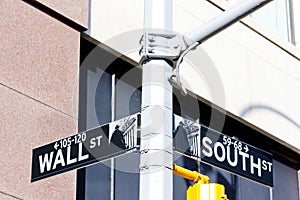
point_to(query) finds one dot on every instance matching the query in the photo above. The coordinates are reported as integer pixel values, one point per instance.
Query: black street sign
(85, 148)
(222, 151)
(233, 155)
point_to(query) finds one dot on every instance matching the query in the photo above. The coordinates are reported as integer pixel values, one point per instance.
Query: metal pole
(223, 20)
(156, 157)
(113, 113)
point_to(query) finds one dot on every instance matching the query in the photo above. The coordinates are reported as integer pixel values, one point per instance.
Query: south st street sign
(85, 148)
(233, 155)
(223, 151)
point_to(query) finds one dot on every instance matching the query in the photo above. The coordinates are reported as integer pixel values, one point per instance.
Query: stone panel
(26, 124)
(39, 56)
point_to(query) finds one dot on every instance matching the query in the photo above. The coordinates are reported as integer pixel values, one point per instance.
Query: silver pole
(223, 20)
(156, 157)
(113, 112)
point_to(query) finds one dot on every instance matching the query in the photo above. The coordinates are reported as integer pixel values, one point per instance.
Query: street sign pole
(158, 46)
(156, 157)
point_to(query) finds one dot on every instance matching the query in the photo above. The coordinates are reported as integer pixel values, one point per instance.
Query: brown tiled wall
(39, 59)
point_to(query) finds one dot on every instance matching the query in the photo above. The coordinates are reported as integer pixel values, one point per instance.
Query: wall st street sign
(224, 151)
(85, 148)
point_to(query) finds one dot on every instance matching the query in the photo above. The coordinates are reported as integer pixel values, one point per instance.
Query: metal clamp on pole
(166, 45)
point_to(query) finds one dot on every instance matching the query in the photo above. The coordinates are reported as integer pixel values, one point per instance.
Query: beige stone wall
(76, 10)
(39, 61)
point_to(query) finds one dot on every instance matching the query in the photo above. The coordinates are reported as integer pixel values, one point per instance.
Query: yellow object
(202, 189)
(212, 191)
(190, 175)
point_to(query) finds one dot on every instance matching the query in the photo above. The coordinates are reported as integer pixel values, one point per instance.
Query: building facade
(71, 66)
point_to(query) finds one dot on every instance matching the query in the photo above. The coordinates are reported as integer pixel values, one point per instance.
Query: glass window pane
(285, 182)
(275, 16)
(127, 177)
(128, 99)
(97, 182)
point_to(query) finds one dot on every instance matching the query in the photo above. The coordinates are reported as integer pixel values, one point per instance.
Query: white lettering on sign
(266, 166)
(255, 165)
(235, 161)
(69, 160)
(206, 143)
(59, 159)
(95, 142)
(221, 157)
(46, 160)
(222, 153)
(66, 142)
(80, 156)
(244, 156)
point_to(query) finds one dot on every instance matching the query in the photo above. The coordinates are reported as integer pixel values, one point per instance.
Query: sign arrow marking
(55, 146)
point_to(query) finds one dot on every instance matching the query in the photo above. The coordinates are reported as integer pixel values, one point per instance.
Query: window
(276, 16)
(101, 99)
